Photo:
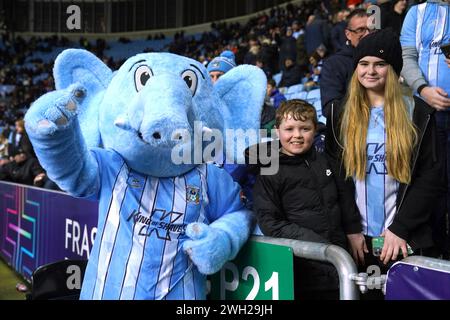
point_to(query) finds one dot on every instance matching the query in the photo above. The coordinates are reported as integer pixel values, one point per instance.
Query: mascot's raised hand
(53, 123)
(118, 138)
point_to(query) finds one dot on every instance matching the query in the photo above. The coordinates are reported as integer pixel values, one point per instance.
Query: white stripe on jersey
(433, 64)
(188, 280)
(110, 232)
(361, 202)
(420, 14)
(170, 247)
(189, 283)
(204, 187)
(390, 206)
(137, 249)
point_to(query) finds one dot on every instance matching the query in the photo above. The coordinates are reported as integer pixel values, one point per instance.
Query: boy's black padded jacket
(300, 201)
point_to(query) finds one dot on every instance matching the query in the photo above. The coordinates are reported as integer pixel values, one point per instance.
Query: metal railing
(333, 254)
(427, 262)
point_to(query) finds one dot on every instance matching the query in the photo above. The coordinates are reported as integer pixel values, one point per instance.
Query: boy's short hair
(272, 83)
(297, 109)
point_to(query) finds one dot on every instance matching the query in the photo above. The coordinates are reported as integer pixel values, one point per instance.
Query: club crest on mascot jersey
(110, 136)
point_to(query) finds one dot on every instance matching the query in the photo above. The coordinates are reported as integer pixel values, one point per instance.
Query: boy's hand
(358, 247)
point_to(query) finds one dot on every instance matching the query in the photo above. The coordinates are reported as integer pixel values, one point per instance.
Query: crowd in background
(290, 42)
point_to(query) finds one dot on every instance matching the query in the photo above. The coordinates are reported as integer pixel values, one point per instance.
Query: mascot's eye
(190, 77)
(141, 76)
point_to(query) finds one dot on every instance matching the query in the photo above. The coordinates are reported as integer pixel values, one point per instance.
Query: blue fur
(94, 107)
(211, 246)
(82, 67)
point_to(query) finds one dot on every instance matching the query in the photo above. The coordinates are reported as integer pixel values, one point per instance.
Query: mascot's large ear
(81, 66)
(242, 89)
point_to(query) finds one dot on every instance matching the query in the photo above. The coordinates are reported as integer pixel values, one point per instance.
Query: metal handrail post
(333, 254)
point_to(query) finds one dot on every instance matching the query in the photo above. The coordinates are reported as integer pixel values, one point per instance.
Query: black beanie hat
(383, 44)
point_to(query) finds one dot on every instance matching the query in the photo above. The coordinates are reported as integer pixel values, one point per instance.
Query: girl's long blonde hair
(401, 134)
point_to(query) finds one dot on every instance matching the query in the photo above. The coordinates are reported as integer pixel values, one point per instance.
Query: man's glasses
(360, 30)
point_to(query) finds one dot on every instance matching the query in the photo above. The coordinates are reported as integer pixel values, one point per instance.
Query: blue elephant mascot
(163, 224)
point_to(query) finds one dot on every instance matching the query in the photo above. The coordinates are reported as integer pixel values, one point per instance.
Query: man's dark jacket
(336, 73)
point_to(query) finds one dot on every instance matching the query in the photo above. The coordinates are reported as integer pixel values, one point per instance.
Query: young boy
(301, 201)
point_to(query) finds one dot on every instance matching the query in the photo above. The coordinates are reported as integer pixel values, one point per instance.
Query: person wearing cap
(385, 153)
(221, 65)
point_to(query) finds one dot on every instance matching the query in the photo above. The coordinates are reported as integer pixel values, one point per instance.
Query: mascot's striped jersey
(138, 248)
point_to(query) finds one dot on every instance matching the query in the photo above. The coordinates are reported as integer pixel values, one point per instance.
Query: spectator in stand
(260, 64)
(317, 32)
(296, 30)
(272, 101)
(18, 139)
(221, 65)
(426, 27)
(273, 96)
(3, 146)
(23, 169)
(337, 70)
(292, 73)
(302, 57)
(337, 34)
(288, 48)
(395, 16)
(253, 50)
(268, 55)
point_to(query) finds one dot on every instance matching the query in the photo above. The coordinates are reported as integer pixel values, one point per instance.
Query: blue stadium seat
(296, 88)
(277, 78)
(298, 95)
(119, 50)
(313, 97)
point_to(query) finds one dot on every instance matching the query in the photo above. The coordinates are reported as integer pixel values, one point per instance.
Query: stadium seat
(54, 281)
(298, 95)
(277, 78)
(313, 97)
(296, 88)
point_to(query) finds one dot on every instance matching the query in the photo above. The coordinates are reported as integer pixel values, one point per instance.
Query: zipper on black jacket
(319, 190)
(415, 161)
(329, 228)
